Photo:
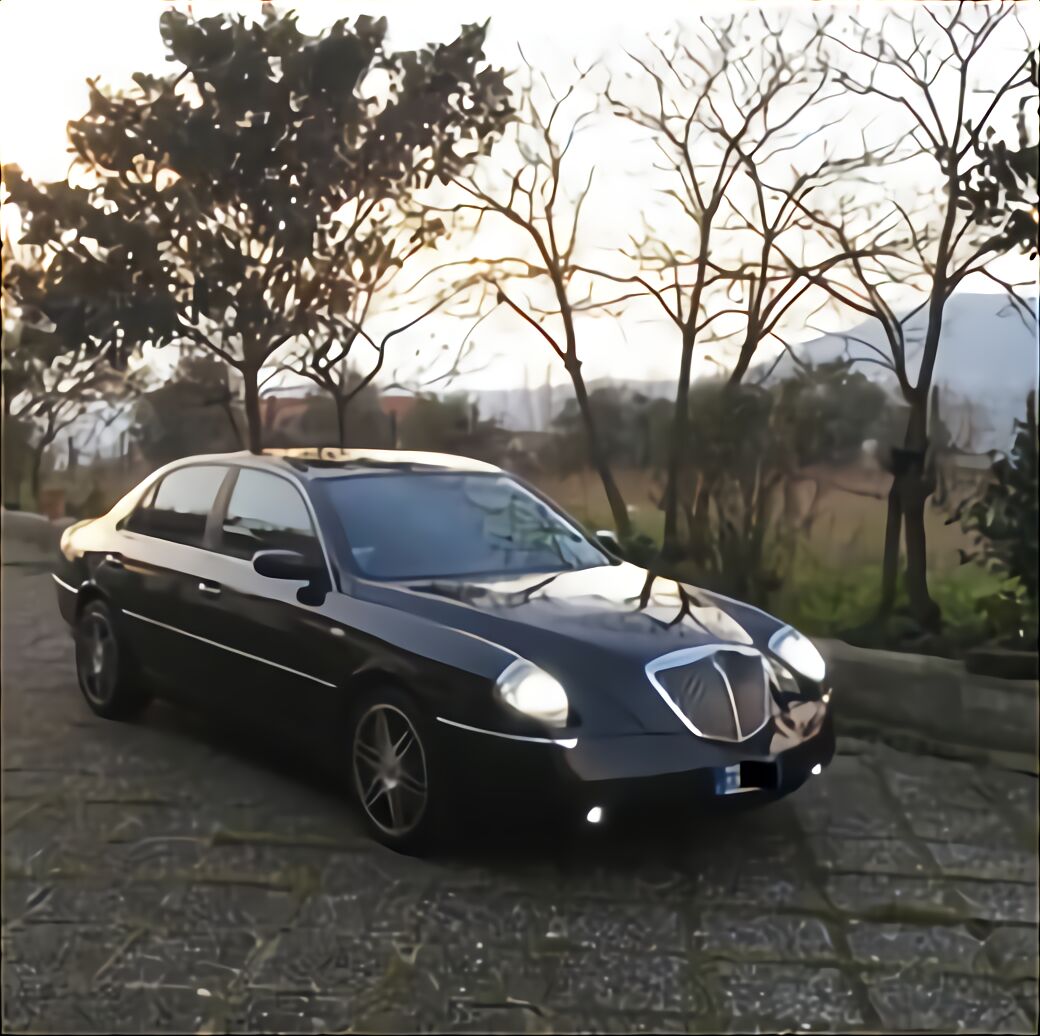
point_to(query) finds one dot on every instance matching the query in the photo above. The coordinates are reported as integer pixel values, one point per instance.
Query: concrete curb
(27, 538)
(932, 701)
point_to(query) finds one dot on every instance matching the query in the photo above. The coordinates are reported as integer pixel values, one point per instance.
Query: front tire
(103, 666)
(394, 773)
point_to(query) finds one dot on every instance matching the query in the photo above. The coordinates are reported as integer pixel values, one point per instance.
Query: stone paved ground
(160, 876)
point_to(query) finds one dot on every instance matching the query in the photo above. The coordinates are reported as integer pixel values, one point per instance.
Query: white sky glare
(48, 48)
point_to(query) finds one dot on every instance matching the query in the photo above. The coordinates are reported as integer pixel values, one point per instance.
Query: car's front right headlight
(532, 691)
(798, 653)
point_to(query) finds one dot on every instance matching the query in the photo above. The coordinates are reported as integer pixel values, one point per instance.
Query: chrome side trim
(224, 647)
(687, 655)
(62, 583)
(563, 742)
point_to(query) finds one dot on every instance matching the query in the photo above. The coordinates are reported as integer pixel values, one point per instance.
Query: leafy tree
(18, 457)
(236, 203)
(316, 421)
(1001, 188)
(619, 415)
(451, 425)
(47, 387)
(194, 411)
(748, 446)
(1003, 520)
(829, 410)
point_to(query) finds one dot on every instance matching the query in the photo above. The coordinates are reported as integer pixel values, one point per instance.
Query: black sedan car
(432, 624)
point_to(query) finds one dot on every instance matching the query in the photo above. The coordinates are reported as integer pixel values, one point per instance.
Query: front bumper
(634, 771)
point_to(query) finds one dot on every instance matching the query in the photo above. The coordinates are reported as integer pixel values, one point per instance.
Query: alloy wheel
(390, 770)
(97, 659)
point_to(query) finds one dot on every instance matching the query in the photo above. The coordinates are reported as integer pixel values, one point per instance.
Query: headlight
(533, 692)
(65, 540)
(799, 653)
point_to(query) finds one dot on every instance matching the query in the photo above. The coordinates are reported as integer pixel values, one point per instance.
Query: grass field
(834, 583)
(849, 528)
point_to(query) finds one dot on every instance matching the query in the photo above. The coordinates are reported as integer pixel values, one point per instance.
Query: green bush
(1002, 519)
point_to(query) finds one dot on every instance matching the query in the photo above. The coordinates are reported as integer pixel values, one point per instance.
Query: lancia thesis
(433, 626)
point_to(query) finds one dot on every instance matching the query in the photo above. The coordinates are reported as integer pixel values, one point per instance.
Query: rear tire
(104, 668)
(394, 772)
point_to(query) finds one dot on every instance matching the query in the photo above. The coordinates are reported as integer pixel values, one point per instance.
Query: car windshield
(434, 525)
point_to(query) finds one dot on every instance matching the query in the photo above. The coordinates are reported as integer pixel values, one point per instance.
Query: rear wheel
(103, 667)
(393, 773)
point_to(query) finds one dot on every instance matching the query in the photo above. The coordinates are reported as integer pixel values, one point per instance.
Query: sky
(50, 47)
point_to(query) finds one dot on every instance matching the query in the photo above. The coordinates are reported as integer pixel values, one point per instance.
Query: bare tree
(923, 65)
(727, 104)
(344, 354)
(51, 388)
(535, 198)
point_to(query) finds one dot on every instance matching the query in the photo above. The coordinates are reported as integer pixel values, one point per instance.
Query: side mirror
(608, 540)
(284, 564)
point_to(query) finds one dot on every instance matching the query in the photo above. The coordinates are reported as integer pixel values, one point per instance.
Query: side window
(137, 519)
(178, 507)
(266, 512)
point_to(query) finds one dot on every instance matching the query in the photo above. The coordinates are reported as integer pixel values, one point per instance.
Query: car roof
(318, 461)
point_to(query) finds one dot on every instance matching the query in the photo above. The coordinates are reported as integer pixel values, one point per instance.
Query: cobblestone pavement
(160, 876)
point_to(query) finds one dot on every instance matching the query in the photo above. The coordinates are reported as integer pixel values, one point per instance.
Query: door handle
(111, 559)
(210, 588)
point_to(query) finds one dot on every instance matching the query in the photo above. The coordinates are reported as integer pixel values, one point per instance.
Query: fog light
(817, 770)
(594, 815)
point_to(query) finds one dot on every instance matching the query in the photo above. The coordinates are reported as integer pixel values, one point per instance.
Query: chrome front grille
(719, 691)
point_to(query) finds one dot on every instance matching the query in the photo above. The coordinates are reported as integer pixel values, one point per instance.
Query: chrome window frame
(231, 464)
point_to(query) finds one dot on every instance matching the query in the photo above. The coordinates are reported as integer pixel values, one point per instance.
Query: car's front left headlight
(535, 693)
(798, 653)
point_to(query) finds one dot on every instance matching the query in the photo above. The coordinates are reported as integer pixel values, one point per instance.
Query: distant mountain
(987, 363)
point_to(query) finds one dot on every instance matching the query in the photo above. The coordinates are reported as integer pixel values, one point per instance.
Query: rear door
(163, 578)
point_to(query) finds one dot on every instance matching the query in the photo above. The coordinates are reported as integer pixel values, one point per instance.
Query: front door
(288, 659)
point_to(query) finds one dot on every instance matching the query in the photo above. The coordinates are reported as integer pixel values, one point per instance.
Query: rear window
(179, 506)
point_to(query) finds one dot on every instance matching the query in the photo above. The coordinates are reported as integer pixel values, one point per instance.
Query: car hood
(594, 629)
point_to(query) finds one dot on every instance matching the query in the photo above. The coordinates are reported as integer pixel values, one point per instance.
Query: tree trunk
(699, 526)
(34, 472)
(923, 607)
(890, 560)
(226, 407)
(597, 455)
(341, 419)
(671, 549)
(251, 392)
(915, 486)
(616, 502)
(740, 368)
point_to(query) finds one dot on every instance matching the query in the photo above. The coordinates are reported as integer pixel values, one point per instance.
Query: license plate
(727, 779)
(746, 776)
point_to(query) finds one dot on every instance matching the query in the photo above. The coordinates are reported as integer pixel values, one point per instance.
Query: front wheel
(103, 667)
(394, 773)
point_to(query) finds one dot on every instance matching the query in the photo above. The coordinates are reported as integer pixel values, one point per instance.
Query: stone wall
(934, 702)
